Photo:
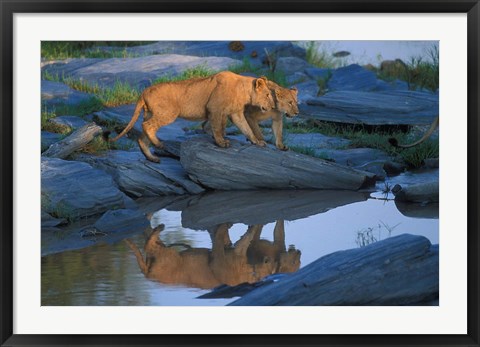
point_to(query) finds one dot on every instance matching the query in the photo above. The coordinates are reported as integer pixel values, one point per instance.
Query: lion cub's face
(287, 101)
(262, 96)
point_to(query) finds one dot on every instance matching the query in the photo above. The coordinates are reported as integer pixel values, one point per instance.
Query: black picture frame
(10, 7)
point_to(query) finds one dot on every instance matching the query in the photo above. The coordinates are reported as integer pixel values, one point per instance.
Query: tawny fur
(285, 103)
(215, 98)
(249, 260)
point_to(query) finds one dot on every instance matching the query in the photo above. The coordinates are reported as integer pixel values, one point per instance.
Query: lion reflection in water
(247, 261)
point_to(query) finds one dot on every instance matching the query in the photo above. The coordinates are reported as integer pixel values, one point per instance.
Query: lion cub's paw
(154, 159)
(282, 147)
(261, 143)
(224, 144)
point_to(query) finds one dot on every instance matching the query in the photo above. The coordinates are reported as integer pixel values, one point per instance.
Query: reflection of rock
(418, 210)
(261, 206)
(118, 221)
(421, 192)
(247, 261)
(243, 167)
(372, 275)
(112, 227)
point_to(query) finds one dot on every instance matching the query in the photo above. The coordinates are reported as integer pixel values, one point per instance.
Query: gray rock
(243, 167)
(317, 73)
(307, 90)
(394, 85)
(356, 157)
(49, 221)
(74, 190)
(56, 93)
(49, 138)
(422, 192)
(137, 72)
(374, 275)
(290, 65)
(138, 177)
(393, 168)
(296, 78)
(373, 108)
(352, 77)
(218, 48)
(315, 141)
(68, 122)
(120, 221)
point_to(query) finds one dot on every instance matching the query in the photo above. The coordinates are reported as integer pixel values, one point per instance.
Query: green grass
(121, 93)
(86, 49)
(245, 66)
(368, 137)
(418, 72)
(49, 126)
(194, 72)
(319, 57)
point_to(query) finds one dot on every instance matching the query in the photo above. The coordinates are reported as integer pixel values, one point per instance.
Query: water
(293, 226)
(375, 51)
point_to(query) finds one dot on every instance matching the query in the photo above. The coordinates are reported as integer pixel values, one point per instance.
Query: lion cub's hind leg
(144, 143)
(151, 126)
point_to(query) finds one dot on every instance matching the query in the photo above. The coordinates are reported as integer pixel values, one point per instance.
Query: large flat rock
(373, 108)
(401, 270)
(57, 93)
(74, 190)
(138, 177)
(138, 72)
(244, 167)
(217, 48)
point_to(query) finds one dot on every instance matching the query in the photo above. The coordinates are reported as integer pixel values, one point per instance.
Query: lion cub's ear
(279, 94)
(294, 89)
(260, 83)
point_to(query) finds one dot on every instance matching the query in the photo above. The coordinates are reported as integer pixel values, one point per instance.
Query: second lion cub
(285, 103)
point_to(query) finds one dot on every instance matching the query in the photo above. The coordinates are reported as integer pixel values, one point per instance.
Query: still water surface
(205, 241)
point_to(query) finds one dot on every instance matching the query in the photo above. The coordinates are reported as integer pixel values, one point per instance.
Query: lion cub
(215, 98)
(285, 103)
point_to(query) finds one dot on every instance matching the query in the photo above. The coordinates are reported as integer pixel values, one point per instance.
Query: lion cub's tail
(433, 126)
(136, 114)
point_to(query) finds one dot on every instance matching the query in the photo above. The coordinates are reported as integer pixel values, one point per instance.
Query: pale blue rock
(74, 190)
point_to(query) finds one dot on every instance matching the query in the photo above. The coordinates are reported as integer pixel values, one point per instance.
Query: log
(421, 192)
(247, 167)
(401, 270)
(77, 140)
